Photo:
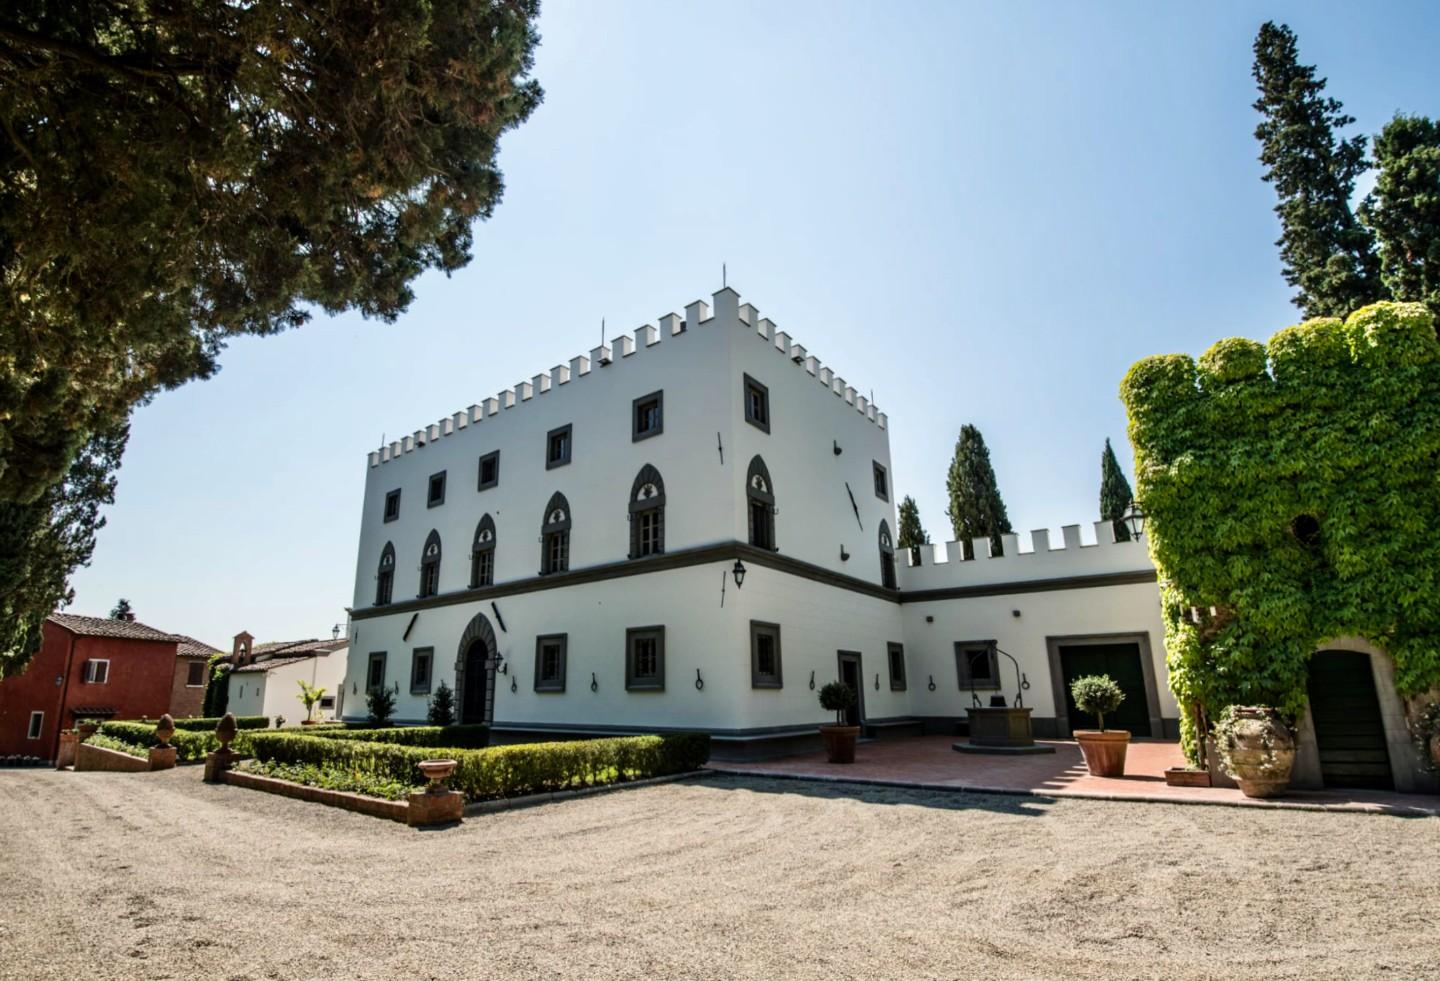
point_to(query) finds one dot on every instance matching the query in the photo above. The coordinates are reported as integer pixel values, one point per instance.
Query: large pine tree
(976, 509)
(1326, 252)
(912, 533)
(1404, 209)
(1115, 493)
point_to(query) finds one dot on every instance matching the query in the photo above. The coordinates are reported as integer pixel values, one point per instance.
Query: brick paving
(930, 762)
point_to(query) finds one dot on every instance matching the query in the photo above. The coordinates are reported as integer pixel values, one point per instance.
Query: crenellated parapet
(1045, 556)
(671, 329)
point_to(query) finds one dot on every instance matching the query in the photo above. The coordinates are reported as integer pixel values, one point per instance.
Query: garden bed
(395, 810)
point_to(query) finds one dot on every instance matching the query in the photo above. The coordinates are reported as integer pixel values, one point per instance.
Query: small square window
(436, 494)
(882, 482)
(647, 416)
(420, 663)
(97, 672)
(550, 651)
(557, 447)
(757, 404)
(645, 659)
(327, 703)
(392, 505)
(896, 655)
(765, 655)
(195, 678)
(375, 673)
(489, 470)
(37, 725)
(975, 664)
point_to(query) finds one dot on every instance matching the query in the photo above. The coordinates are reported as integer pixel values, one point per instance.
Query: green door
(1346, 713)
(1121, 662)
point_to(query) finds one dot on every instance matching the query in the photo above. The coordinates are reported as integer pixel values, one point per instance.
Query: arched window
(482, 555)
(760, 498)
(555, 536)
(887, 557)
(430, 565)
(385, 575)
(647, 514)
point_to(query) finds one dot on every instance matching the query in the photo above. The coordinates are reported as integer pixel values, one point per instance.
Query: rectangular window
(647, 416)
(882, 482)
(327, 703)
(97, 672)
(489, 470)
(384, 586)
(484, 568)
(975, 664)
(556, 557)
(762, 525)
(375, 675)
(649, 538)
(436, 494)
(645, 659)
(896, 655)
(392, 505)
(37, 723)
(196, 676)
(757, 404)
(550, 651)
(557, 447)
(420, 663)
(429, 579)
(887, 569)
(765, 655)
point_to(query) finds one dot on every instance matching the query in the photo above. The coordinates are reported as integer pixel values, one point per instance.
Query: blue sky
(982, 212)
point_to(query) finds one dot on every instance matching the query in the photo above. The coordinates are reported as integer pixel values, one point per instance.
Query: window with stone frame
(887, 557)
(760, 505)
(435, 495)
(757, 404)
(647, 513)
(430, 565)
(97, 671)
(392, 505)
(375, 672)
(422, 662)
(557, 446)
(976, 665)
(647, 416)
(765, 669)
(645, 659)
(37, 725)
(482, 554)
(489, 470)
(555, 536)
(895, 655)
(882, 481)
(550, 656)
(385, 576)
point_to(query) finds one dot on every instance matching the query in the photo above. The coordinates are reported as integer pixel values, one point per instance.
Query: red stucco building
(87, 667)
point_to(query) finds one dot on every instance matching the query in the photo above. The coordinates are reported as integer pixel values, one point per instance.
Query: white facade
(271, 688)
(820, 444)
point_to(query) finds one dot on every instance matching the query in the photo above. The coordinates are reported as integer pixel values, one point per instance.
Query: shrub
(837, 697)
(217, 691)
(381, 704)
(208, 724)
(330, 778)
(119, 745)
(190, 746)
(442, 706)
(502, 771)
(1096, 693)
(459, 737)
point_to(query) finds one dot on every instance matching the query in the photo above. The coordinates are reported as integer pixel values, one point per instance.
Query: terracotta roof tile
(190, 647)
(104, 627)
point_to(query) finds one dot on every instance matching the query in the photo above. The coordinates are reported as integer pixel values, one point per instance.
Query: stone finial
(225, 730)
(164, 729)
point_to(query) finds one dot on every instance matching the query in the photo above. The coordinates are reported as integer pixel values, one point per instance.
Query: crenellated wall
(1046, 556)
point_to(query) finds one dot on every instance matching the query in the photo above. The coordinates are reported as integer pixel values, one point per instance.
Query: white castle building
(693, 529)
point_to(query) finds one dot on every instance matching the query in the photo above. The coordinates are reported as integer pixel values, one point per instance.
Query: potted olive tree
(1103, 749)
(839, 738)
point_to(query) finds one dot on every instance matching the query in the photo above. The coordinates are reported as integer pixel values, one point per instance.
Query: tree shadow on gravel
(1023, 805)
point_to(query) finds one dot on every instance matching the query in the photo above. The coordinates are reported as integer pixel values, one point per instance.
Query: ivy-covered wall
(1292, 495)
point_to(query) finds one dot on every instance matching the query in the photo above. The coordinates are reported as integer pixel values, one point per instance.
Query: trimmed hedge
(501, 771)
(208, 725)
(458, 737)
(189, 746)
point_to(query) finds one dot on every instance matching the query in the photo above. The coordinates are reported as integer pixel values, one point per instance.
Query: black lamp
(1134, 519)
(738, 571)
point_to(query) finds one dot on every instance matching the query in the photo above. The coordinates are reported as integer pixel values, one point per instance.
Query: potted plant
(310, 696)
(87, 728)
(839, 738)
(1256, 748)
(1103, 749)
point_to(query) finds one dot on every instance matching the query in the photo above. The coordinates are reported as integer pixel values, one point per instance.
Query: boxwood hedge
(190, 746)
(460, 737)
(501, 771)
(208, 725)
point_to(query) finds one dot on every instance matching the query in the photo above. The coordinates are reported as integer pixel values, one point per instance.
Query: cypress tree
(1325, 250)
(123, 611)
(1404, 210)
(442, 706)
(912, 533)
(976, 508)
(1115, 493)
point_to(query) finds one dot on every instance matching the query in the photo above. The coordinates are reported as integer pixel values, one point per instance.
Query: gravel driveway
(161, 876)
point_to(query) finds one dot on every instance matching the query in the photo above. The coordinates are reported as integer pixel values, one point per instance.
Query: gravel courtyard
(161, 876)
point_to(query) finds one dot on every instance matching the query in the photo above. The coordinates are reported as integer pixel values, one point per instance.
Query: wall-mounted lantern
(738, 571)
(1134, 520)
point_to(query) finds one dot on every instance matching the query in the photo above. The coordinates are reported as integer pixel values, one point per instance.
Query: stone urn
(87, 729)
(225, 731)
(437, 772)
(164, 730)
(1258, 750)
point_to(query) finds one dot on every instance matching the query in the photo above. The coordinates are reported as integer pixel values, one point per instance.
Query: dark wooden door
(1346, 713)
(477, 684)
(850, 674)
(1121, 661)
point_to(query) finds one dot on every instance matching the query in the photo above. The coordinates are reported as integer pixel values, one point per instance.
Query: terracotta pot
(1104, 750)
(840, 742)
(86, 730)
(164, 729)
(1260, 753)
(437, 772)
(1181, 776)
(310, 722)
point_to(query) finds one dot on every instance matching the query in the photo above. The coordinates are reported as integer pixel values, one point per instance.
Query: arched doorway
(475, 672)
(1349, 727)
